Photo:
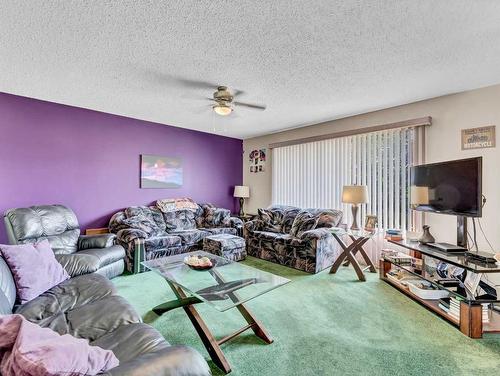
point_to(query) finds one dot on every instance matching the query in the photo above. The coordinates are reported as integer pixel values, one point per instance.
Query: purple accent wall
(89, 161)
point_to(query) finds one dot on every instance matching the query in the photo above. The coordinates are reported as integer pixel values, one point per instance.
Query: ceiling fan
(223, 96)
(224, 101)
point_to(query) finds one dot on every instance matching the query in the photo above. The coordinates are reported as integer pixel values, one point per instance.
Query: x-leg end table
(348, 256)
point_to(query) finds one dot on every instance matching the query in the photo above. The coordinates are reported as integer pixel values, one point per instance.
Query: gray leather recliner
(88, 307)
(79, 254)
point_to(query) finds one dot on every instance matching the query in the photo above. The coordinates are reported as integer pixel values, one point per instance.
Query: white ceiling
(308, 61)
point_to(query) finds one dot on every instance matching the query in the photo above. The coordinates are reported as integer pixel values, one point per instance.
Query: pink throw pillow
(28, 349)
(34, 268)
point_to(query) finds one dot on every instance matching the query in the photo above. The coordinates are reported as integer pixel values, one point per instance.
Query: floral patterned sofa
(147, 232)
(294, 237)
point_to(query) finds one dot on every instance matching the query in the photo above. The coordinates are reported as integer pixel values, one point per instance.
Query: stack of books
(452, 307)
(399, 258)
(394, 235)
(486, 317)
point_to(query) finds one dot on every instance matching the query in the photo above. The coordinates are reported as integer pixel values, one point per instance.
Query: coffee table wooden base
(211, 343)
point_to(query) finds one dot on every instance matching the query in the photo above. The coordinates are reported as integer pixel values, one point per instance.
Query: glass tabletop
(224, 286)
(361, 233)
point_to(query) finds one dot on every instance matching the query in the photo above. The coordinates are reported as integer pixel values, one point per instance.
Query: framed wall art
(161, 172)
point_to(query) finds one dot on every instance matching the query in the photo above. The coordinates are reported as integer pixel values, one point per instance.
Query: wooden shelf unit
(470, 322)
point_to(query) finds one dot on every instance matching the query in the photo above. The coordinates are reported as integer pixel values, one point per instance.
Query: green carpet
(325, 324)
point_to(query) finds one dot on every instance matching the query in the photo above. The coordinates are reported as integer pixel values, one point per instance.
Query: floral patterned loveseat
(147, 232)
(294, 237)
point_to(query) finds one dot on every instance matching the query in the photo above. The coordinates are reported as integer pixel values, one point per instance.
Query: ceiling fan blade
(237, 92)
(255, 106)
(166, 78)
(202, 110)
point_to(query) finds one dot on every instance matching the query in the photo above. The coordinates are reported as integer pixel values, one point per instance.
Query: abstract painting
(161, 172)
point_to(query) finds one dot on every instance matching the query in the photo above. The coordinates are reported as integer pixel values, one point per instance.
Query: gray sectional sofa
(78, 254)
(147, 233)
(87, 306)
(294, 237)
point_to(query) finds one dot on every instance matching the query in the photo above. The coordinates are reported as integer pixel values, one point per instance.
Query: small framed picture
(371, 222)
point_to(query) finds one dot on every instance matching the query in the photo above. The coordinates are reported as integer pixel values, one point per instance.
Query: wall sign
(478, 138)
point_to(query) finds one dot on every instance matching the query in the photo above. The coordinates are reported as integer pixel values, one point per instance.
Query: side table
(348, 256)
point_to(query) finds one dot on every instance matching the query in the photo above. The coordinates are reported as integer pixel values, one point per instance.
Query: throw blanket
(29, 350)
(173, 204)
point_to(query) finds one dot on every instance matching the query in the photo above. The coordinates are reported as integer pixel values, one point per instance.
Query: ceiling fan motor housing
(223, 95)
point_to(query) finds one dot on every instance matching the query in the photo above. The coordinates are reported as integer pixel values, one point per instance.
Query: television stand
(469, 321)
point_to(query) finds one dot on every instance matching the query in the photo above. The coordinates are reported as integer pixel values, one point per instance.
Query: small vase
(426, 236)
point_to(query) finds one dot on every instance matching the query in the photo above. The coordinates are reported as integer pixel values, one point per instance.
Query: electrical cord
(484, 235)
(471, 242)
(475, 233)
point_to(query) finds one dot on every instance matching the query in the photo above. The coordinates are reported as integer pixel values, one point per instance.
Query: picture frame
(160, 172)
(371, 222)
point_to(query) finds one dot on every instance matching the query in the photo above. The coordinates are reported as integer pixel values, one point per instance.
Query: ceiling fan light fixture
(222, 109)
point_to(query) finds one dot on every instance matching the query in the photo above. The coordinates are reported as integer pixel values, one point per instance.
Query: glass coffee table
(226, 285)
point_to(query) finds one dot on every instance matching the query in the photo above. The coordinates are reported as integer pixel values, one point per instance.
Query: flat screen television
(452, 187)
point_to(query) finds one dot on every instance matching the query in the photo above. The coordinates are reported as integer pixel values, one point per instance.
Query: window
(313, 174)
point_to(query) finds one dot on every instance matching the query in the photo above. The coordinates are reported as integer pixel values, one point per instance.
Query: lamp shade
(419, 195)
(355, 194)
(241, 191)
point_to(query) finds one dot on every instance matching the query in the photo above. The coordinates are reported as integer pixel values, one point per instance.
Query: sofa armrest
(169, 361)
(317, 233)
(254, 225)
(128, 235)
(96, 241)
(235, 222)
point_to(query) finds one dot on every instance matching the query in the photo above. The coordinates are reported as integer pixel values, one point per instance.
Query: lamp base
(354, 225)
(242, 201)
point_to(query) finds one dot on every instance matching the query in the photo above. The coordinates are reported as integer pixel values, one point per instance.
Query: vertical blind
(313, 174)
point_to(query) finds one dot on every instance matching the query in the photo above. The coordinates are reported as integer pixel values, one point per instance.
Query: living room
(196, 188)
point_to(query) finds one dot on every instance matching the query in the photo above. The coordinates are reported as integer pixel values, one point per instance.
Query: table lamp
(242, 192)
(420, 196)
(355, 195)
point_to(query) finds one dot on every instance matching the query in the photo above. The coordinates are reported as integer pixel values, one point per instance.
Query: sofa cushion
(179, 220)
(304, 221)
(34, 268)
(161, 242)
(271, 218)
(215, 217)
(107, 255)
(221, 230)
(85, 306)
(190, 236)
(149, 212)
(41, 221)
(130, 341)
(95, 319)
(288, 218)
(77, 264)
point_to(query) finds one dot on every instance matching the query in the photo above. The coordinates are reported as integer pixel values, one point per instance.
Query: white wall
(450, 114)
